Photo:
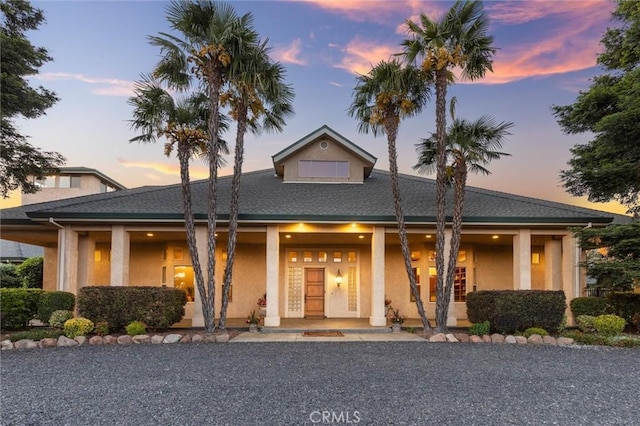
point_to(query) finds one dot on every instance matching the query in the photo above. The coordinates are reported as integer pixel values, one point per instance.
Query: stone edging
(534, 339)
(113, 340)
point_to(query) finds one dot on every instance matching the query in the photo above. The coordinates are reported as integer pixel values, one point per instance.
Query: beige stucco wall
(494, 267)
(102, 266)
(333, 152)
(537, 270)
(50, 269)
(145, 267)
(89, 184)
(249, 280)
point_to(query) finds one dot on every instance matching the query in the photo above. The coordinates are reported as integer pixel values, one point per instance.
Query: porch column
(273, 271)
(86, 260)
(452, 320)
(201, 245)
(68, 273)
(522, 260)
(377, 317)
(570, 271)
(553, 264)
(120, 246)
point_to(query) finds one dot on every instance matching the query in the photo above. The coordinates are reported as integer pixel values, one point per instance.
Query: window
(307, 256)
(459, 284)
(293, 256)
(416, 274)
(322, 256)
(337, 256)
(352, 257)
(323, 169)
(76, 181)
(64, 182)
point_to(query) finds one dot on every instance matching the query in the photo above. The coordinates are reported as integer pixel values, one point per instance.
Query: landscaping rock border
(115, 340)
(534, 339)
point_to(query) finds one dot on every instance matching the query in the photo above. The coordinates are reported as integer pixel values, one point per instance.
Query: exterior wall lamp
(339, 278)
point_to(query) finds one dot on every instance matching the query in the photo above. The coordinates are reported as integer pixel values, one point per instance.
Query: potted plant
(262, 304)
(253, 319)
(396, 320)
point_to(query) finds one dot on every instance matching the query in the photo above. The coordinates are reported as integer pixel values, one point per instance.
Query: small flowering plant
(395, 317)
(262, 302)
(253, 318)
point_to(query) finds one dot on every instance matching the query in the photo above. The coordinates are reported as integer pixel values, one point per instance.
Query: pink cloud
(290, 54)
(520, 12)
(360, 55)
(196, 172)
(102, 86)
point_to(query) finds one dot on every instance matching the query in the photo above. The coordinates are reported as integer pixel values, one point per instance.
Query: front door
(314, 293)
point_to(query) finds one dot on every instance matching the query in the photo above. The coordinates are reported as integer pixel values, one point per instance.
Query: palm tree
(388, 93)
(184, 124)
(470, 147)
(259, 100)
(458, 39)
(213, 36)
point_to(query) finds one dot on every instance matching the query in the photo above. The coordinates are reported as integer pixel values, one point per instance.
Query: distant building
(71, 182)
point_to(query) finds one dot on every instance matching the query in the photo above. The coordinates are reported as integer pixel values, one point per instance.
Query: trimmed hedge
(18, 306)
(509, 311)
(592, 306)
(627, 306)
(51, 301)
(31, 272)
(157, 307)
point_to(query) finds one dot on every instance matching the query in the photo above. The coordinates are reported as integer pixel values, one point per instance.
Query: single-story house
(317, 235)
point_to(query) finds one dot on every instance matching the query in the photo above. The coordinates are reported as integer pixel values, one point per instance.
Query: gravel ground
(402, 383)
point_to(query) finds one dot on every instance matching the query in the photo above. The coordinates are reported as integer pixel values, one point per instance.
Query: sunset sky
(547, 53)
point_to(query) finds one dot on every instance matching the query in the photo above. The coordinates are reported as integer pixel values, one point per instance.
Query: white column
(120, 247)
(522, 260)
(452, 320)
(273, 272)
(377, 317)
(201, 244)
(570, 272)
(70, 261)
(553, 264)
(86, 260)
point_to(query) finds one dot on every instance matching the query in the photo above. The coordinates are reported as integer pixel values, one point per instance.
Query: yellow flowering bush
(77, 327)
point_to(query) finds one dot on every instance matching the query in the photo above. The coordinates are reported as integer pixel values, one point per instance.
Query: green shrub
(585, 323)
(135, 328)
(51, 301)
(627, 306)
(609, 325)
(157, 307)
(9, 276)
(480, 329)
(101, 328)
(30, 272)
(58, 318)
(535, 330)
(36, 334)
(512, 310)
(18, 306)
(592, 306)
(77, 327)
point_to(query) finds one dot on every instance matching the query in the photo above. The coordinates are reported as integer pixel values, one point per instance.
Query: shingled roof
(264, 197)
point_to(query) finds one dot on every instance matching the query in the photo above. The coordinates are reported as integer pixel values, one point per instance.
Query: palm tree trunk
(233, 212)
(214, 84)
(460, 178)
(442, 303)
(189, 221)
(391, 128)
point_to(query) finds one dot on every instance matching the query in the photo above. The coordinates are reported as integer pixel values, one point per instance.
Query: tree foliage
(606, 168)
(615, 258)
(19, 59)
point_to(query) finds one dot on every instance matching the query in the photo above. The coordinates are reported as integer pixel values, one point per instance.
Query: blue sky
(547, 53)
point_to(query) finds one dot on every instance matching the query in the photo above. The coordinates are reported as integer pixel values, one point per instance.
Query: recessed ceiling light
(495, 237)
(287, 236)
(149, 234)
(361, 236)
(428, 236)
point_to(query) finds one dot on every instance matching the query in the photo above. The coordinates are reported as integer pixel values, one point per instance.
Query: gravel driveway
(407, 383)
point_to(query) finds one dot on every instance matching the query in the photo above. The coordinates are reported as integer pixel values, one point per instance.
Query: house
(317, 234)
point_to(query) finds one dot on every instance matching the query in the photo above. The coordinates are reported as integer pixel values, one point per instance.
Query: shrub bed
(509, 311)
(18, 306)
(51, 301)
(627, 306)
(158, 307)
(592, 306)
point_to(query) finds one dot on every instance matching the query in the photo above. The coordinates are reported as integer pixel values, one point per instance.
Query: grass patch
(35, 334)
(622, 340)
